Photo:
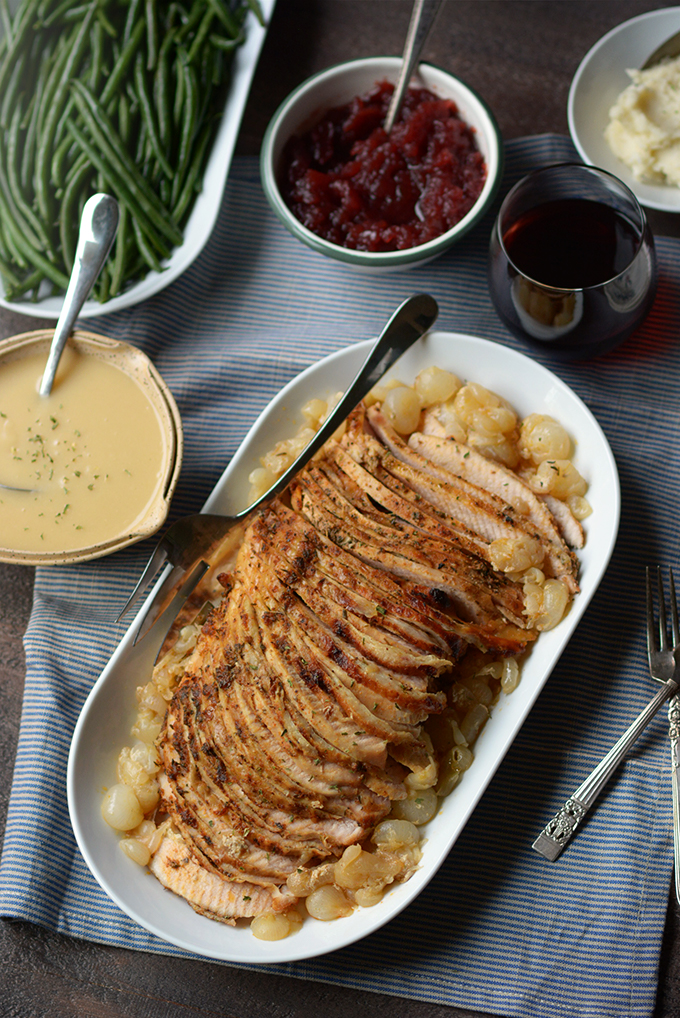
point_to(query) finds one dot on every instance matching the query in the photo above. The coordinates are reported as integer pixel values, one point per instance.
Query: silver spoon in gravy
(98, 225)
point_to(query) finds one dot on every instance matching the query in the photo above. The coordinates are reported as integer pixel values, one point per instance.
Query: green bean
(102, 288)
(9, 98)
(12, 281)
(43, 159)
(178, 105)
(76, 166)
(257, 10)
(224, 15)
(26, 212)
(61, 126)
(17, 216)
(59, 12)
(136, 266)
(55, 69)
(141, 144)
(201, 34)
(112, 86)
(4, 250)
(131, 19)
(161, 94)
(106, 24)
(25, 9)
(108, 77)
(28, 112)
(30, 253)
(96, 55)
(75, 13)
(222, 43)
(106, 138)
(21, 28)
(217, 64)
(145, 249)
(6, 255)
(29, 282)
(120, 184)
(124, 118)
(120, 252)
(58, 170)
(155, 240)
(148, 117)
(151, 167)
(189, 189)
(6, 19)
(31, 133)
(68, 232)
(132, 95)
(151, 34)
(189, 123)
(173, 9)
(17, 256)
(193, 18)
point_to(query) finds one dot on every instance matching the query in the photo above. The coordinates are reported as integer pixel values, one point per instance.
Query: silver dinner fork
(659, 651)
(663, 656)
(188, 543)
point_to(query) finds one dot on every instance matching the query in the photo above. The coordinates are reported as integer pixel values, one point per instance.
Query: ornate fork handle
(559, 831)
(674, 735)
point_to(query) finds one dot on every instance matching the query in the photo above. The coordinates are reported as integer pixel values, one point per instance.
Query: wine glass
(572, 262)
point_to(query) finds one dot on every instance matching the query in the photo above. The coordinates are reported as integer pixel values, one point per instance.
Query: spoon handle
(422, 18)
(98, 226)
(410, 321)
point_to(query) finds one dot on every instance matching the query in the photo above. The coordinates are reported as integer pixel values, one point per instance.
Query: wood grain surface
(520, 57)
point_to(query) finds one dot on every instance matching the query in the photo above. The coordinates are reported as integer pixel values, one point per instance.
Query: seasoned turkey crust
(299, 714)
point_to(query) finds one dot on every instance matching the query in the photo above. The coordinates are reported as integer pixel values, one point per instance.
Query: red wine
(572, 266)
(572, 243)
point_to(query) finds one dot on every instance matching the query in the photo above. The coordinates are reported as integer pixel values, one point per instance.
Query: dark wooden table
(520, 57)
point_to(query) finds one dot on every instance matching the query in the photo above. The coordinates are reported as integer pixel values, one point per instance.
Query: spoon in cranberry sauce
(422, 18)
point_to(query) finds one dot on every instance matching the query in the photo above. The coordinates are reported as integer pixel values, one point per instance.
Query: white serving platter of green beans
(142, 99)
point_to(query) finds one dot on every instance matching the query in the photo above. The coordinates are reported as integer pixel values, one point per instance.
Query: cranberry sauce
(348, 181)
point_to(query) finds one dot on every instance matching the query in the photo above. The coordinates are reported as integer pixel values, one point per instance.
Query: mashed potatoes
(644, 127)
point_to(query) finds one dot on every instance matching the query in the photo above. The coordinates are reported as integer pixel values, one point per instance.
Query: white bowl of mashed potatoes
(624, 124)
(92, 467)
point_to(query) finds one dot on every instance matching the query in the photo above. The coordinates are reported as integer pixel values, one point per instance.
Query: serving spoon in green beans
(98, 225)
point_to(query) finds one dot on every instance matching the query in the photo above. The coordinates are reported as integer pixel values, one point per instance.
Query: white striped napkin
(499, 929)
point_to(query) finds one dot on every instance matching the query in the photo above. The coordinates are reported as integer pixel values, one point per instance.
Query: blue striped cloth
(499, 929)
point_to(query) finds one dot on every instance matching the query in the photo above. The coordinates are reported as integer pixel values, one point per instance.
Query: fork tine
(662, 611)
(651, 624)
(178, 581)
(153, 610)
(158, 559)
(674, 611)
(172, 599)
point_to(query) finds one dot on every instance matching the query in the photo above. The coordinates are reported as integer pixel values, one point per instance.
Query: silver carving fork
(188, 543)
(663, 656)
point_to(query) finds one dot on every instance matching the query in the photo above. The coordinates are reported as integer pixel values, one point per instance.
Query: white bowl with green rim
(338, 85)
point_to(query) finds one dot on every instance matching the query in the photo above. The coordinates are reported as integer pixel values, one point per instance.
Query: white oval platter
(104, 724)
